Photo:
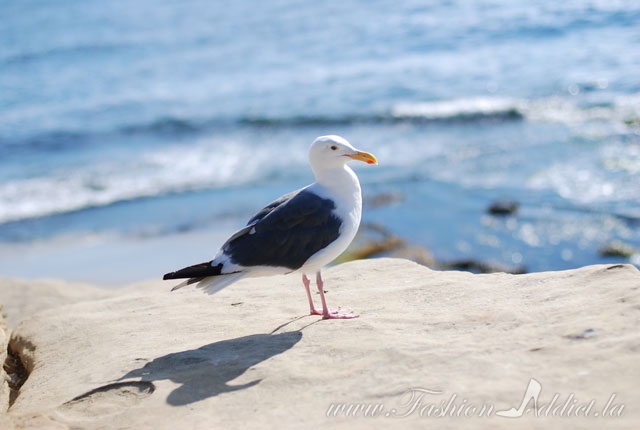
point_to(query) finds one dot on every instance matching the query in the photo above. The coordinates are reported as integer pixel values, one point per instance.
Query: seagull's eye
(333, 147)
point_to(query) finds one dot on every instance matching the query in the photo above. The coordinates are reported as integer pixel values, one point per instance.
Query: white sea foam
(622, 111)
(457, 108)
(174, 169)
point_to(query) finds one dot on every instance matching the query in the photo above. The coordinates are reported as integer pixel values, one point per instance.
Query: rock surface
(23, 298)
(250, 356)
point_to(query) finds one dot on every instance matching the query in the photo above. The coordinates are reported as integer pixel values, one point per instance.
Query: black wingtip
(201, 270)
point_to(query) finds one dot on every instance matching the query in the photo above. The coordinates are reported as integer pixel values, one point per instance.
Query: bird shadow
(283, 325)
(206, 371)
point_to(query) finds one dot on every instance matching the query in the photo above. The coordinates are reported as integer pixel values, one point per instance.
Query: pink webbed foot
(327, 314)
(333, 314)
(336, 315)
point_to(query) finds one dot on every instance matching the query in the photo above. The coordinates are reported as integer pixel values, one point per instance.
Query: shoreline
(108, 261)
(111, 261)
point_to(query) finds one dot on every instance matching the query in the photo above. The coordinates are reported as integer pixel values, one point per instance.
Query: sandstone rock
(251, 357)
(23, 298)
(4, 385)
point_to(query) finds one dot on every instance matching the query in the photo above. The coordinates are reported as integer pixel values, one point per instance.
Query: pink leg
(307, 282)
(326, 313)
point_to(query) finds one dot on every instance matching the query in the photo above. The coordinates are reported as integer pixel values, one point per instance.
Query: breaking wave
(183, 167)
(170, 170)
(620, 110)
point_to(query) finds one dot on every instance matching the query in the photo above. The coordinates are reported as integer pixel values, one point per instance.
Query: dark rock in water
(372, 249)
(383, 199)
(371, 240)
(618, 249)
(417, 254)
(503, 207)
(374, 240)
(475, 266)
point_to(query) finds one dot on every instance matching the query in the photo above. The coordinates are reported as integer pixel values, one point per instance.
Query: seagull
(301, 232)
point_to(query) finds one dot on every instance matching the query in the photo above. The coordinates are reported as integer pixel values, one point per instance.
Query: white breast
(341, 186)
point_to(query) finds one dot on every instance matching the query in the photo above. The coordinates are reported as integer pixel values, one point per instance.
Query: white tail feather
(180, 285)
(213, 284)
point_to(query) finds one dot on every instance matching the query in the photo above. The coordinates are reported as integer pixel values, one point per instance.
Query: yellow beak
(364, 156)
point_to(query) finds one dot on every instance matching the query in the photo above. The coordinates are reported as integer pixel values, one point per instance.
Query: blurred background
(135, 136)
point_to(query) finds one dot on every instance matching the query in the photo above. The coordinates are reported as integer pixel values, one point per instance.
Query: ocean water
(129, 122)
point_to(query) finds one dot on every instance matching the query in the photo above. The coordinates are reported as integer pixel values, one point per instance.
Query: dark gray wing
(199, 271)
(286, 232)
(271, 206)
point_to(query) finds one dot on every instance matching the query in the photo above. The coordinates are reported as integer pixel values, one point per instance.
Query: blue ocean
(134, 136)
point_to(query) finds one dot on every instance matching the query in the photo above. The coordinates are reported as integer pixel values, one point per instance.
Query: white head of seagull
(299, 232)
(331, 153)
